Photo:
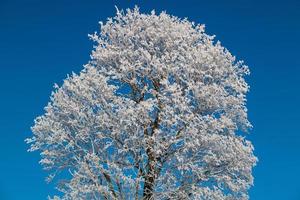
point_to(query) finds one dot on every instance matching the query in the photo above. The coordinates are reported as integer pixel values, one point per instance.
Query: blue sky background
(42, 41)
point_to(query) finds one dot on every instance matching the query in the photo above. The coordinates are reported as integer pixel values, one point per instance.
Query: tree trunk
(149, 176)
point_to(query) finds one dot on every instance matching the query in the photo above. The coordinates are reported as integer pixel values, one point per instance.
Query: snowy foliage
(158, 113)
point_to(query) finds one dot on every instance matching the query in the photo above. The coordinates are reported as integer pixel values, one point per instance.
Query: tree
(158, 113)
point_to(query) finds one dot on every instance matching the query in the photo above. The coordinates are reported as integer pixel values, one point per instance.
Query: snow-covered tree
(158, 113)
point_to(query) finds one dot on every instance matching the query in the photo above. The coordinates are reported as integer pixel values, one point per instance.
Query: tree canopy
(159, 112)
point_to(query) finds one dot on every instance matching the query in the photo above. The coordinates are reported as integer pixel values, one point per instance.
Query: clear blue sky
(42, 41)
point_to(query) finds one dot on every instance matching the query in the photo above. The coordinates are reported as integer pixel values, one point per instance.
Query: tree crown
(155, 114)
